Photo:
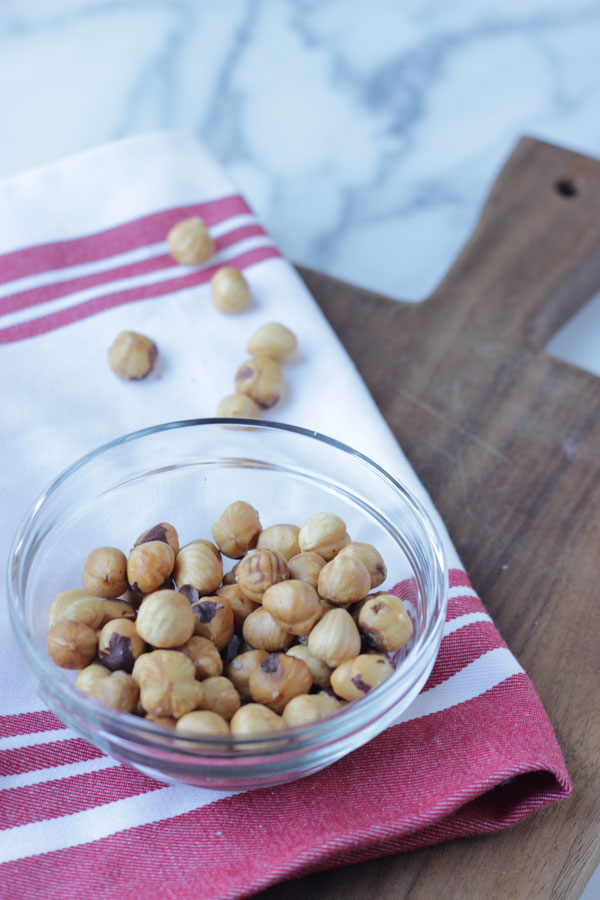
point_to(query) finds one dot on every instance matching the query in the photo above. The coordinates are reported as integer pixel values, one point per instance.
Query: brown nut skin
(165, 619)
(262, 379)
(293, 604)
(324, 533)
(240, 669)
(119, 645)
(230, 290)
(258, 571)
(335, 638)
(237, 529)
(384, 621)
(72, 645)
(241, 606)
(119, 691)
(273, 340)
(189, 242)
(202, 722)
(76, 605)
(306, 567)
(213, 617)
(277, 679)
(255, 719)
(262, 632)
(306, 708)
(105, 573)
(355, 678)
(162, 532)
(238, 406)
(204, 655)
(132, 356)
(281, 538)
(370, 557)
(320, 671)
(148, 566)
(197, 565)
(344, 580)
(220, 696)
(90, 675)
(117, 609)
(167, 683)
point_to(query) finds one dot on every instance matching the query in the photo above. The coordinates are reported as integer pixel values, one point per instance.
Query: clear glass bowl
(187, 473)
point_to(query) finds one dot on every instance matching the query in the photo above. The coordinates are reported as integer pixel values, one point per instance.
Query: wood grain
(507, 441)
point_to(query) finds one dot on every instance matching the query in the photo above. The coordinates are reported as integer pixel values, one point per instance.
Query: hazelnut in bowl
(227, 603)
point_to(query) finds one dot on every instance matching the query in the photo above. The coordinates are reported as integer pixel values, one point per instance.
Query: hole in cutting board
(578, 341)
(566, 187)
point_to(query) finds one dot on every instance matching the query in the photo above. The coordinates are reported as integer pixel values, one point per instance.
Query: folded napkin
(83, 257)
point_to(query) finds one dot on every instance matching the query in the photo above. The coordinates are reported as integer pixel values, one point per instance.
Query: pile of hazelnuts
(295, 630)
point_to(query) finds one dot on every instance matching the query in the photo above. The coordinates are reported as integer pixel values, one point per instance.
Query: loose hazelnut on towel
(189, 242)
(273, 340)
(132, 356)
(262, 379)
(238, 406)
(230, 291)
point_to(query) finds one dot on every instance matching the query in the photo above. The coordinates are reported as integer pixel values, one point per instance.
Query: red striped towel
(83, 256)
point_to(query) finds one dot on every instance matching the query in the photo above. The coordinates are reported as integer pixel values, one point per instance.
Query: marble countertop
(365, 135)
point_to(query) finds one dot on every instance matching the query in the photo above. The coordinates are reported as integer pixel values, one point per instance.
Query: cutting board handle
(533, 259)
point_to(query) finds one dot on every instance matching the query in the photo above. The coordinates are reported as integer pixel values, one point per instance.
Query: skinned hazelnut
(238, 406)
(148, 566)
(241, 606)
(76, 605)
(164, 721)
(197, 565)
(213, 617)
(370, 557)
(258, 571)
(240, 669)
(356, 677)
(189, 242)
(90, 675)
(306, 567)
(72, 645)
(306, 708)
(202, 722)
(230, 577)
(237, 529)
(273, 340)
(119, 645)
(117, 609)
(204, 655)
(220, 696)
(293, 604)
(324, 533)
(263, 633)
(162, 532)
(277, 679)
(165, 619)
(105, 573)
(230, 290)
(335, 638)
(210, 546)
(320, 671)
(132, 356)
(255, 719)
(262, 379)
(119, 691)
(281, 538)
(344, 580)
(384, 621)
(167, 683)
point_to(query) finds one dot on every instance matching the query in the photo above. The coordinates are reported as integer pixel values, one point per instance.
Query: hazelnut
(119, 645)
(205, 656)
(161, 532)
(89, 676)
(293, 604)
(306, 567)
(385, 622)
(189, 242)
(237, 406)
(167, 684)
(117, 609)
(197, 565)
(261, 379)
(263, 633)
(281, 538)
(72, 645)
(306, 708)
(119, 690)
(237, 529)
(132, 356)
(149, 565)
(230, 577)
(344, 580)
(165, 619)
(203, 722)
(220, 696)
(230, 291)
(255, 719)
(325, 533)
(240, 669)
(356, 677)
(370, 557)
(164, 721)
(258, 571)
(273, 340)
(213, 619)
(241, 606)
(335, 638)
(105, 573)
(277, 679)
(320, 671)
(76, 605)
(210, 546)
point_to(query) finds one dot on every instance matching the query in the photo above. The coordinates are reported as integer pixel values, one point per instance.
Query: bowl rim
(335, 726)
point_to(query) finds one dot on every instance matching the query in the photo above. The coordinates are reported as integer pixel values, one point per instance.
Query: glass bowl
(187, 473)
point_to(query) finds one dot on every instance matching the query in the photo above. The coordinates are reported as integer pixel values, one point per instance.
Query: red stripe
(112, 241)
(460, 606)
(46, 292)
(45, 756)
(44, 324)
(29, 723)
(414, 784)
(461, 648)
(458, 578)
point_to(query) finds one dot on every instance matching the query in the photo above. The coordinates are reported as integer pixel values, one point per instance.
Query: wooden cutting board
(506, 439)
